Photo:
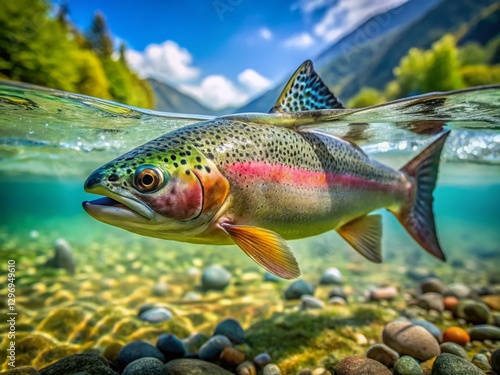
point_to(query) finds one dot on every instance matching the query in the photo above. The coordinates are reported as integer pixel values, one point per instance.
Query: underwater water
(50, 142)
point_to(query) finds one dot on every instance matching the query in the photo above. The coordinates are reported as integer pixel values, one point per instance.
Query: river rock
(457, 335)
(160, 289)
(232, 329)
(449, 364)
(406, 365)
(211, 350)
(271, 369)
(495, 361)
(135, 350)
(387, 293)
(297, 289)
(337, 301)
(271, 278)
(476, 313)
(431, 285)
(408, 339)
(91, 363)
(457, 290)
(194, 341)
(145, 366)
(432, 328)
(311, 302)
(171, 346)
(246, 368)
(63, 257)
(262, 359)
(331, 276)
(337, 291)
(484, 332)
(215, 278)
(431, 301)
(156, 315)
(481, 361)
(232, 356)
(357, 365)
(189, 366)
(455, 349)
(383, 354)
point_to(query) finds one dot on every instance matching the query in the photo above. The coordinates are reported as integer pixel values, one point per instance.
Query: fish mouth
(116, 207)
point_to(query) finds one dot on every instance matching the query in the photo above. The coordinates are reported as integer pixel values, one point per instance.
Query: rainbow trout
(254, 180)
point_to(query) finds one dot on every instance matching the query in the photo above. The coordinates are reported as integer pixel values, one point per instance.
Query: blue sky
(225, 52)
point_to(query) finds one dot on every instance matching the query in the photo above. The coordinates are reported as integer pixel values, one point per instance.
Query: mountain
(365, 58)
(169, 99)
(372, 64)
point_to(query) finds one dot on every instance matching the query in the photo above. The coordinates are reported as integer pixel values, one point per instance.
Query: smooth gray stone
(449, 364)
(188, 366)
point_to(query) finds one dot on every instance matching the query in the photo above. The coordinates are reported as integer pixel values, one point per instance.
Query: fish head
(165, 193)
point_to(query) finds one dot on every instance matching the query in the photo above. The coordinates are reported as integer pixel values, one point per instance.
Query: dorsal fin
(305, 91)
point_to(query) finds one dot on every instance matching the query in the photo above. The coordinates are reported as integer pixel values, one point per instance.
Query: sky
(224, 52)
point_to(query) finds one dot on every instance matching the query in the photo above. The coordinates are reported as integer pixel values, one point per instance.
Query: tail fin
(417, 215)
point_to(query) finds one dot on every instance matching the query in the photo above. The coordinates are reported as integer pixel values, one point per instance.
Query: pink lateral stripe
(281, 174)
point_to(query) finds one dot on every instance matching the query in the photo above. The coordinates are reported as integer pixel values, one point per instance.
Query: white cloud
(309, 6)
(166, 62)
(345, 15)
(265, 33)
(253, 81)
(218, 91)
(302, 40)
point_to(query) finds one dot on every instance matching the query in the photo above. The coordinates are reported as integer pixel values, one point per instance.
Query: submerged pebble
(88, 362)
(431, 301)
(156, 315)
(310, 302)
(383, 354)
(297, 289)
(262, 359)
(246, 368)
(476, 313)
(495, 360)
(408, 339)
(232, 329)
(449, 364)
(458, 290)
(215, 278)
(387, 293)
(232, 356)
(457, 335)
(271, 369)
(135, 350)
(331, 276)
(160, 289)
(357, 365)
(145, 366)
(189, 366)
(431, 285)
(212, 349)
(171, 346)
(484, 332)
(406, 365)
(455, 349)
(481, 361)
(432, 328)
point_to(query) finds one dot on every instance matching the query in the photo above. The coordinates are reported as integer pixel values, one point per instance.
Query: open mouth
(121, 208)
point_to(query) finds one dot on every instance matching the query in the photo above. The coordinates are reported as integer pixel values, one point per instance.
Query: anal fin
(266, 248)
(364, 234)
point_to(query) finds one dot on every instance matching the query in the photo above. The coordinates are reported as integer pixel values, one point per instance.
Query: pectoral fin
(265, 247)
(364, 234)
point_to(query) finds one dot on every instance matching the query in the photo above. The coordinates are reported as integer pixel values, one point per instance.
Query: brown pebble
(246, 368)
(232, 356)
(357, 365)
(450, 303)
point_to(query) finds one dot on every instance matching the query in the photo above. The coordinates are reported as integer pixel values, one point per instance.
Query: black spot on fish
(173, 157)
(129, 171)
(176, 165)
(183, 161)
(113, 177)
(197, 166)
(207, 168)
(188, 172)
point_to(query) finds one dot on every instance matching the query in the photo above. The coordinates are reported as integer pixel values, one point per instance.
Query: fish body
(234, 180)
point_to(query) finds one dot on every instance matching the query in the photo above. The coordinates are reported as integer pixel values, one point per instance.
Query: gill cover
(194, 187)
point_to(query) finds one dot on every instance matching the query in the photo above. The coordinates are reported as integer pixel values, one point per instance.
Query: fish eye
(148, 178)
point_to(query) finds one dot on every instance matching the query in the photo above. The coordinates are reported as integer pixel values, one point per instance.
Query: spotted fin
(305, 91)
(265, 247)
(364, 234)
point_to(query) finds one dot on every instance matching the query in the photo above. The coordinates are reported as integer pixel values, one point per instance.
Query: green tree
(98, 37)
(443, 73)
(477, 75)
(472, 54)
(366, 97)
